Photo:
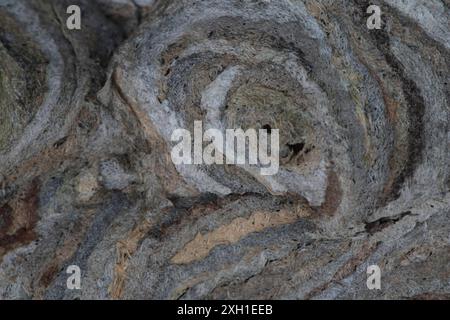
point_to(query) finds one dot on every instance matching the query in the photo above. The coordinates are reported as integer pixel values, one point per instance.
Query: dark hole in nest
(308, 150)
(268, 128)
(296, 148)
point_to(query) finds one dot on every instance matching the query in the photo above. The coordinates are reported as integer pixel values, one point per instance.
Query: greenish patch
(257, 106)
(22, 80)
(11, 84)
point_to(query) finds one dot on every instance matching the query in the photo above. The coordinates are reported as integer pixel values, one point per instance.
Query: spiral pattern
(364, 122)
(86, 176)
(362, 128)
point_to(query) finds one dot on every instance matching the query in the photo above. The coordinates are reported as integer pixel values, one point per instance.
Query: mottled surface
(86, 176)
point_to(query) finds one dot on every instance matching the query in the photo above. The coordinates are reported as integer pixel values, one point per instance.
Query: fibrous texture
(85, 140)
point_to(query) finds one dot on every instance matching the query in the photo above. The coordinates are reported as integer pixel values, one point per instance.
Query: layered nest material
(86, 176)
